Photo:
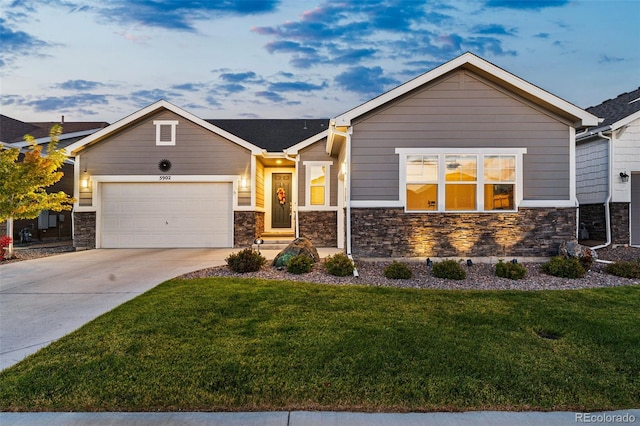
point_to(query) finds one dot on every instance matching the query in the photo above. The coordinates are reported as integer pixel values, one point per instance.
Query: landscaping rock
(584, 254)
(295, 248)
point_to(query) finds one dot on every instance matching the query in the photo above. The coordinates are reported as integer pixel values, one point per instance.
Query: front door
(281, 200)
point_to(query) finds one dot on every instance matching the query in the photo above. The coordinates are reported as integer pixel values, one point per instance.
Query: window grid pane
(461, 168)
(422, 197)
(422, 168)
(500, 168)
(317, 185)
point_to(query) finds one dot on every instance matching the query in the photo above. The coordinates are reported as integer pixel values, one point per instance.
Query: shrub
(625, 269)
(247, 260)
(398, 271)
(339, 265)
(564, 267)
(4, 242)
(300, 264)
(514, 271)
(448, 269)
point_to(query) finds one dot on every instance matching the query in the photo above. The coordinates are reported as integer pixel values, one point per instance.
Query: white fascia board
(73, 148)
(628, 119)
(585, 118)
(307, 142)
(156, 178)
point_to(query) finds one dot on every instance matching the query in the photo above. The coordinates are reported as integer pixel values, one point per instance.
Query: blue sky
(93, 60)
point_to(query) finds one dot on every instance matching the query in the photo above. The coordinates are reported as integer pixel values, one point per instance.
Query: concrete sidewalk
(324, 418)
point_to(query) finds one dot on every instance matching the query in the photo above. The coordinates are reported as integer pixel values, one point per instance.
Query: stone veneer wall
(592, 215)
(247, 226)
(84, 232)
(530, 232)
(620, 225)
(320, 227)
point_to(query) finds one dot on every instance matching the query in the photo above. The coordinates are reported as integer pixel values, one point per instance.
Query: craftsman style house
(465, 160)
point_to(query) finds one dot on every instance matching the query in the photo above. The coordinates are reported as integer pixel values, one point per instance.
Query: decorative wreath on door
(282, 196)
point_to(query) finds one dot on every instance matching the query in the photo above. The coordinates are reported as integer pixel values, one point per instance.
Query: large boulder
(295, 248)
(586, 255)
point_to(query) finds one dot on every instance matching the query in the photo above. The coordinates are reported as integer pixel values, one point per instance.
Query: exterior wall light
(243, 182)
(624, 177)
(85, 183)
(258, 242)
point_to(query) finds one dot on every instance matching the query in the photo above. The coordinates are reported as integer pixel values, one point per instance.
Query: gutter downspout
(607, 210)
(296, 161)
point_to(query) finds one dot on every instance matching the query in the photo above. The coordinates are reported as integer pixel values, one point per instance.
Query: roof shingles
(614, 110)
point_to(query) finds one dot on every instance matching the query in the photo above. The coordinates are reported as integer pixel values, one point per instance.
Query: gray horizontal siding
(459, 111)
(592, 177)
(197, 152)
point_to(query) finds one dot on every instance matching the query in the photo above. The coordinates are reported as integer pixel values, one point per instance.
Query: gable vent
(165, 132)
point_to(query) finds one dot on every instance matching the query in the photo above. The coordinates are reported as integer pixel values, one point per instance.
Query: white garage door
(166, 215)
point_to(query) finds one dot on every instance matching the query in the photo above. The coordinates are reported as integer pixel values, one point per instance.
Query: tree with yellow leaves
(23, 184)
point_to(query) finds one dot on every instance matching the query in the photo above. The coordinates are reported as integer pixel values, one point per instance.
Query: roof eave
(293, 150)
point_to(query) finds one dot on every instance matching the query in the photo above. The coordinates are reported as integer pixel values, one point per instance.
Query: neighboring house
(465, 160)
(608, 172)
(50, 225)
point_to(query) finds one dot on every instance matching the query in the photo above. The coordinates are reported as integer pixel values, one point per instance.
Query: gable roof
(487, 70)
(615, 111)
(273, 135)
(74, 148)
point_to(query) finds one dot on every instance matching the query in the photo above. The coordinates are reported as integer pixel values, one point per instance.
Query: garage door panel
(166, 215)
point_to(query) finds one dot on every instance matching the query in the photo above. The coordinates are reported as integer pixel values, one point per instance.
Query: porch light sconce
(258, 242)
(243, 183)
(624, 177)
(85, 183)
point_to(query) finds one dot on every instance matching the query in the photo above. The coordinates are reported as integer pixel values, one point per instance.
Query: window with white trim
(460, 180)
(165, 132)
(317, 183)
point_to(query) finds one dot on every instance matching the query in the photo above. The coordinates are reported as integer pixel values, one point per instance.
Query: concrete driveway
(44, 299)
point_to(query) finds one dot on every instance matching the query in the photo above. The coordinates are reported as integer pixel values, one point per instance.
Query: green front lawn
(240, 344)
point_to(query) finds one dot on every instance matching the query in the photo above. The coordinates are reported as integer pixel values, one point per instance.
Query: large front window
(459, 180)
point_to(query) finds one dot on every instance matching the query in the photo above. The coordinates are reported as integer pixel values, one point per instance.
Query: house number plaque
(165, 177)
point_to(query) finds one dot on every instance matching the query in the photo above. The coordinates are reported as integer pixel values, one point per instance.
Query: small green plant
(398, 271)
(625, 269)
(448, 269)
(514, 271)
(563, 267)
(247, 260)
(299, 264)
(339, 265)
